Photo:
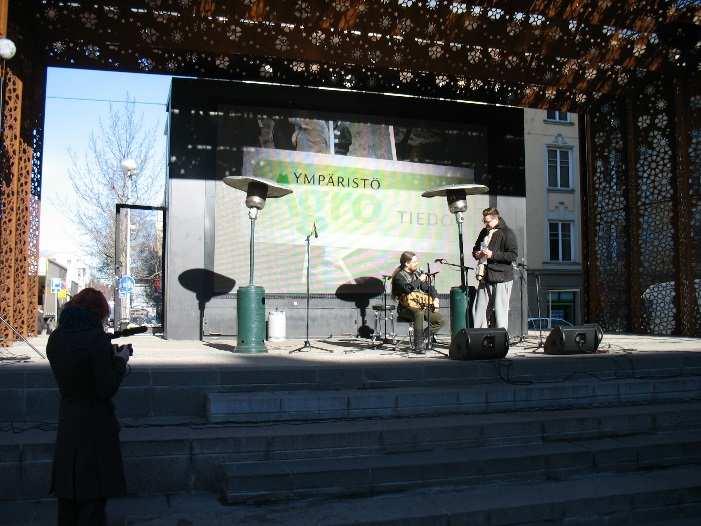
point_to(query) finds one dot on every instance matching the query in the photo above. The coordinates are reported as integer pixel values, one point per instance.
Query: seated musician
(414, 294)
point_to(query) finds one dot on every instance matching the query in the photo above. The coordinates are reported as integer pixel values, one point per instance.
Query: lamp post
(128, 167)
(456, 195)
(250, 299)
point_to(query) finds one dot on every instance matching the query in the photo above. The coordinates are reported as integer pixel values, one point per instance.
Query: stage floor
(153, 351)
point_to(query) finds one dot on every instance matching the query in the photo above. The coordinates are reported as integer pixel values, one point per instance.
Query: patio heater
(456, 195)
(250, 299)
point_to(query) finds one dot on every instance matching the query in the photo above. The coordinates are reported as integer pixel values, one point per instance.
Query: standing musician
(415, 296)
(495, 250)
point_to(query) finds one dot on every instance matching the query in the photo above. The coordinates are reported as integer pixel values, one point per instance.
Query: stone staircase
(557, 447)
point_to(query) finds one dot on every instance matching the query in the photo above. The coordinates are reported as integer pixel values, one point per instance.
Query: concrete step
(670, 497)
(187, 457)
(29, 393)
(482, 398)
(360, 475)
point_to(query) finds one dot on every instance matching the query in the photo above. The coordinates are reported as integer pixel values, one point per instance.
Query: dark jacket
(504, 249)
(87, 459)
(404, 282)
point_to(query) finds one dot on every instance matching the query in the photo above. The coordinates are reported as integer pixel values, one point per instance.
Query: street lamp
(250, 300)
(456, 196)
(7, 51)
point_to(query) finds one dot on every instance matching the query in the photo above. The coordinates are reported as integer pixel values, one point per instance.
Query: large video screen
(358, 180)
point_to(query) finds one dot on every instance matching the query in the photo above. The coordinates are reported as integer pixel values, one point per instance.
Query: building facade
(553, 220)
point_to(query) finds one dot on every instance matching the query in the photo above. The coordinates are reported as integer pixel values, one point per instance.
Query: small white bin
(277, 326)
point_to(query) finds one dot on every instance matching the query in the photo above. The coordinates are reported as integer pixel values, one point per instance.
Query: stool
(383, 315)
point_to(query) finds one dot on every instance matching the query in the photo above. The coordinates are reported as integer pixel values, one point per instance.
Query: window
(560, 240)
(555, 115)
(559, 168)
(563, 307)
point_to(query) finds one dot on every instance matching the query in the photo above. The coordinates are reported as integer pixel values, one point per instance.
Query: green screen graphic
(367, 212)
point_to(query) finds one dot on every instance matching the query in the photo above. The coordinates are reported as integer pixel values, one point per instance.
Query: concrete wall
(184, 251)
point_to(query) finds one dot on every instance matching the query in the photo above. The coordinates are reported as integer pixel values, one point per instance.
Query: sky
(68, 124)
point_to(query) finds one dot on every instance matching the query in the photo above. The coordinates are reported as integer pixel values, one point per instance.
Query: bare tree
(100, 182)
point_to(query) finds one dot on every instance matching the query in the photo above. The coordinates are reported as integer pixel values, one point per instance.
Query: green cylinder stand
(459, 315)
(250, 310)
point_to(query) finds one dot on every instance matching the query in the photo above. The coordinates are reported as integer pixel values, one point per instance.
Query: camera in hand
(119, 348)
(126, 332)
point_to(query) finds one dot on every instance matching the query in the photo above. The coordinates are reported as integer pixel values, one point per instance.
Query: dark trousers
(418, 316)
(82, 512)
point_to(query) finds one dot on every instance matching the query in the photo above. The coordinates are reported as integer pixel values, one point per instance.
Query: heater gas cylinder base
(250, 310)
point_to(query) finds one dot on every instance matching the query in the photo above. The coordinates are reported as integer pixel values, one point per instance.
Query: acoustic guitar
(417, 300)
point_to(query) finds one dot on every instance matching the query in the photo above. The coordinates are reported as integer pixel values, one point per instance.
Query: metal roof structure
(536, 53)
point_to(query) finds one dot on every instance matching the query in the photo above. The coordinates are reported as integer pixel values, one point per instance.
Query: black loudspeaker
(581, 339)
(479, 344)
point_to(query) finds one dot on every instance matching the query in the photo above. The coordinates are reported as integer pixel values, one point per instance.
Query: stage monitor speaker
(479, 344)
(581, 339)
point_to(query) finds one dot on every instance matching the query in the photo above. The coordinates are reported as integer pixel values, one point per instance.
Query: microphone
(128, 332)
(440, 260)
(420, 272)
(316, 234)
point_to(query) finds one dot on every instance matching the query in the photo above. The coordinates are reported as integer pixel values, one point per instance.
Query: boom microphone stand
(307, 345)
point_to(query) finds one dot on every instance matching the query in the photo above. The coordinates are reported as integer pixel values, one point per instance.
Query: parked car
(535, 324)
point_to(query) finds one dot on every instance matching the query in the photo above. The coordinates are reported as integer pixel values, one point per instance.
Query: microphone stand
(307, 345)
(464, 269)
(428, 346)
(522, 270)
(541, 344)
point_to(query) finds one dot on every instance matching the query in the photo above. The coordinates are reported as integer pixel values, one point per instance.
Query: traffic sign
(126, 284)
(56, 285)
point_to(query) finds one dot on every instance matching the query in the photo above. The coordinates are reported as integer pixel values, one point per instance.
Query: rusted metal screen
(19, 221)
(9, 202)
(644, 184)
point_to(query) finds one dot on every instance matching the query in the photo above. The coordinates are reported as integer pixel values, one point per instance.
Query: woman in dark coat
(87, 466)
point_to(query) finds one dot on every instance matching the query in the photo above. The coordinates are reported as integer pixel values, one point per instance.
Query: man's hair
(491, 211)
(92, 300)
(406, 257)
(403, 259)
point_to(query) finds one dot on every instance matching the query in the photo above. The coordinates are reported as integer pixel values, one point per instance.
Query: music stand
(307, 344)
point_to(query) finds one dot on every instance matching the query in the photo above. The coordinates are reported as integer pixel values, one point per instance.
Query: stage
(154, 351)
